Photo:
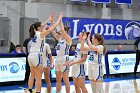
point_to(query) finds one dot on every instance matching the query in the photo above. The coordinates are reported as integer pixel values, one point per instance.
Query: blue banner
(124, 1)
(110, 29)
(101, 1)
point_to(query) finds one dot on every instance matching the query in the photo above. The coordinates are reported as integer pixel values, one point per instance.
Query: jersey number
(76, 54)
(34, 39)
(91, 58)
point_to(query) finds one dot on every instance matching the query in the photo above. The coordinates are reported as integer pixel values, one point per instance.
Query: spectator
(12, 47)
(73, 48)
(26, 48)
(119, 48)
(54, 50)
(47, 65)
(55, 46)
(137, 48)
(17, 50)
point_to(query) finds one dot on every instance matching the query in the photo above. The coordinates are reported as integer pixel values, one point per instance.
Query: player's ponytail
(36, 25)
(33, 28)
(102, 43)
(31, 31)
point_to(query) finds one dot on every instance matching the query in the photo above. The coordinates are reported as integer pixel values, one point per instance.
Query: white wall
(3, 9)
(14, 13)
(31, 10)
(43, 10)
(14, 10)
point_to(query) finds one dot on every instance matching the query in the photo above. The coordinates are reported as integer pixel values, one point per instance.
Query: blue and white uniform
(35, 54)
(78, 70)
(46, 52)
(62, 55)
(95, 70)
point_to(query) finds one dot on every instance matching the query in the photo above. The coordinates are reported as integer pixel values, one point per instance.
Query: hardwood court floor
(120, 86)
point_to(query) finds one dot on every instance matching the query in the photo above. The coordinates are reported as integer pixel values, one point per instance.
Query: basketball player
(35, 56)
(47, 65)
(63, 46)
(97, 50)
(47, 57)
(79, 66)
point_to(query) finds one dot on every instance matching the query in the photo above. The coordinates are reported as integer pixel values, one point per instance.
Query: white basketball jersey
(78, 53)
(46, 51)
(96, 57)
(37, 43)
(62, 47)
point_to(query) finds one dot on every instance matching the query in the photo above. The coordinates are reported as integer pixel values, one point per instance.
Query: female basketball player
(79, 67)
(95, 72)
(35, 55)
(47, 65)
(63, 46)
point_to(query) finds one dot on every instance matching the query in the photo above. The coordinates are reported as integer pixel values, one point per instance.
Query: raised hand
(88, 33)
(51, 18)
(60, 15)
(84, 36)
(89, 36)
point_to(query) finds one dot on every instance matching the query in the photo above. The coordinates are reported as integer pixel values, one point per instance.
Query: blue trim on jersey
(99, 58)
(82, 72)
(38, 60)
(67, 58)
(67, 49)
(66, 69)
(48, 62)
(42, 46)
(99, 74)
(75, 55)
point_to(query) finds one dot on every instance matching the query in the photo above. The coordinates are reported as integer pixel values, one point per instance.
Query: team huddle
(40, 58)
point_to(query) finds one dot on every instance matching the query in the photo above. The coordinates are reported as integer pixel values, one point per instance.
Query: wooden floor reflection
(123, 86)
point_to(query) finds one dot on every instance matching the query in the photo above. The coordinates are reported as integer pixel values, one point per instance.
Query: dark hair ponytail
(102, 43)
(34, 27)
(31, 31)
